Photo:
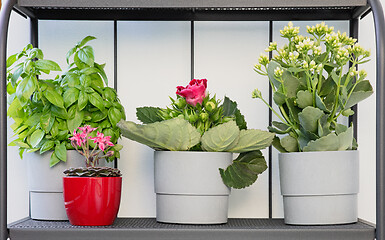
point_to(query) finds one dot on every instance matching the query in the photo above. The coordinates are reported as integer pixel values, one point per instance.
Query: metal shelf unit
(195, 10)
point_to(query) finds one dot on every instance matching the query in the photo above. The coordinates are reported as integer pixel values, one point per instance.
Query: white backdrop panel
(225, 53)
(153, 58)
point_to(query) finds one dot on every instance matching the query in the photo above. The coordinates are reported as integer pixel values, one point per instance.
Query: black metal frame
(202, 14)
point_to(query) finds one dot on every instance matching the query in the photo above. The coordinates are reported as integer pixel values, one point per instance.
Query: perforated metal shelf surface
(148, 228)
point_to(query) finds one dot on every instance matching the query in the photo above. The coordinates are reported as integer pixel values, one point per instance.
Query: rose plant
(46, 111)
(197, 122)
(313, 85)
(93, 149)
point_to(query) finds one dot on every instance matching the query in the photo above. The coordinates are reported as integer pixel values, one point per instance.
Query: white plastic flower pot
(189, 188)
(319, 188)
(46, 184)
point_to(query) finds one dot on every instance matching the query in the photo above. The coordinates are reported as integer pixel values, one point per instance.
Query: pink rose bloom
(195, 92)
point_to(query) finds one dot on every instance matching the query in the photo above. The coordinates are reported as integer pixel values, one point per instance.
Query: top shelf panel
(194, 10)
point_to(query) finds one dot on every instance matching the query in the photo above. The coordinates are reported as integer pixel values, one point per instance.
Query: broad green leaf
(291, 84)
(174, 134)
(89, 70)
(309, 117)
(48, 145)
(340, 128)
(14, 109)
(221, 138)
(54, 97)
(54, 160)
(362, 91)
(320, 104)
(33, 120)
(110, 94)
(55, 129)
(346, 139)
(47, 65)
(86, 55)
(323, 126)
(304, 99)
(230, 109)
(327, 143)
(25, 88)
(36, 137)
(251, 140)
(114, 116)
(70, 96)
(281, 126)
(76, 121)
(148, 114)
(289, 143)
(59, 112)
(85, 40)
(83, 100)
(16, 74)
(11, 60)
(61, 151)
(72, 80)
(85, 81)
(70, 53)
(46, 121)
(96, 100)
(102, 73)
(99, 115)
(244, 170)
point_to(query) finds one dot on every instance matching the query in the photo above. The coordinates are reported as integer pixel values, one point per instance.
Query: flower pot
(46, 186)
(92, 201)
(319, 188)
(189, 188)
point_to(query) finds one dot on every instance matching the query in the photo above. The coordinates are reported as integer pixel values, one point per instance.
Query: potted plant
(194, 140)
(91, 193)
(45, 113)
(313, 87)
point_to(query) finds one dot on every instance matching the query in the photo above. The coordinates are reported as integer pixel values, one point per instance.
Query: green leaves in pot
(46, 111)
(315, 82)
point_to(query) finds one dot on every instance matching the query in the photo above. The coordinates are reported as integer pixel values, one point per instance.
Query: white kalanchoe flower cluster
(278, 72)
(342, 56)
(271, 47)
(319, 29)
(289, 31)
(263, 59)
(305, 45)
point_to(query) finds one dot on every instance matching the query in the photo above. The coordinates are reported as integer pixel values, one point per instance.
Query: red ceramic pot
(92, 201)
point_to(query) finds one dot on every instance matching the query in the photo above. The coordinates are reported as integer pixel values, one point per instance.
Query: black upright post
(4, 22)
(34, 32)
(379, 24)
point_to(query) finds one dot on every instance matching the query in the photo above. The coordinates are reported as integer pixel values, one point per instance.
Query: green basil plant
(47, 111)
(197, 122)
(314, 81)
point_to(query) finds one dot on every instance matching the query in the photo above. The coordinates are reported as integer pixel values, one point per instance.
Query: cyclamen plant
(313, 86)
(197, 122)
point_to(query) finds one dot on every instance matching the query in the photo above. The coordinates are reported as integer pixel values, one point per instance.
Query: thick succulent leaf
(251, 140)
(362, 91)
(221, 138)
(323, 126)
(320, 104)
(346, 139)
(309, 117)
(244, 170)
(304, 99)
(289, 143)
(279, 98)
(148, 114)
(326, 143)
(277, 145)
(174, 134)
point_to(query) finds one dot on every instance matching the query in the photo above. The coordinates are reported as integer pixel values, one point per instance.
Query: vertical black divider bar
(34, 39)
(116, 67)
(270, 120)
(192, 50)
(5, 14)
(353, 32)
(379, 26)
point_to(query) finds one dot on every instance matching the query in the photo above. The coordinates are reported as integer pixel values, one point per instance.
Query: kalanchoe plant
(197, 122)
(313, 85)
(47, 111)
(93, 149)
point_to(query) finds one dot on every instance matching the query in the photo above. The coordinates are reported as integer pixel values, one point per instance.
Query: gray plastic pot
(189, 188)
(319, 188)
(46, 184)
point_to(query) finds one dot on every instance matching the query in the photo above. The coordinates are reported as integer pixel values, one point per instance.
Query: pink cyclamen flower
(87, 129)
(78, 138)
(195, 92)
(102, 141)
